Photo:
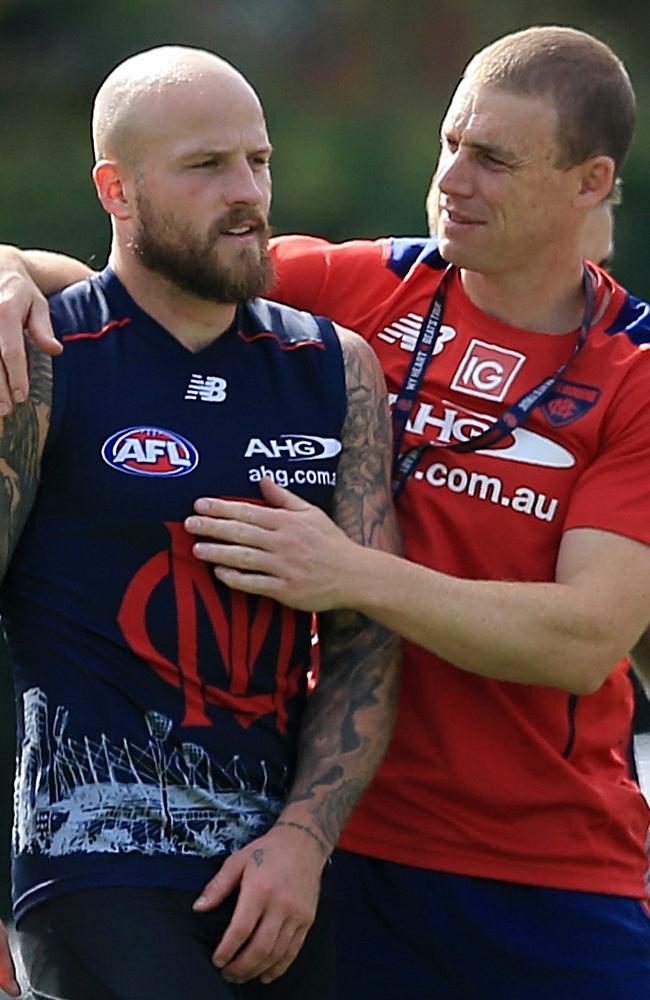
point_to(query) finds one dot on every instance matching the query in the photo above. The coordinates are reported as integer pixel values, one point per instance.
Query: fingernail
(202, 506)
(200, 901)
(4, 409)
(19, 396)
(192, 523)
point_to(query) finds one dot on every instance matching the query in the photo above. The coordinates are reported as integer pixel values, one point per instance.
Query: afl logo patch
(150, 451)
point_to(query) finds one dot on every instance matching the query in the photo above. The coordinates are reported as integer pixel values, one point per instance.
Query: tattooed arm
(22, 436)
(350, 715)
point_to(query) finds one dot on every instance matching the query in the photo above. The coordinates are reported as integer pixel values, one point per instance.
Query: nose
(454, 174)
(244, 184)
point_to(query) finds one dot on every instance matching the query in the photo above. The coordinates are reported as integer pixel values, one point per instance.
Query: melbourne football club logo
(150, 451)
(568, 401)
(259, 662)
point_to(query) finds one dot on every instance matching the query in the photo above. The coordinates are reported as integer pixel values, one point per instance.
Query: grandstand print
(163, 797)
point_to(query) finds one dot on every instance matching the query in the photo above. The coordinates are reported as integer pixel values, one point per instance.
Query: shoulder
(359, 359)
(394, 253)
(82, 308)
(288, 327)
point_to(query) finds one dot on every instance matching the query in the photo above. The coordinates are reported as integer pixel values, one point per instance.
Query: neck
(545, 300)
(194, 322)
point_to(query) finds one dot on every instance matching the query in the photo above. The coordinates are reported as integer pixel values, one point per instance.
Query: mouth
(450, 217)
(245, 230)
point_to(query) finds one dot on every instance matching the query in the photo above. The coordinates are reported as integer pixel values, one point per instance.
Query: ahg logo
(294, 447)
(487, 370)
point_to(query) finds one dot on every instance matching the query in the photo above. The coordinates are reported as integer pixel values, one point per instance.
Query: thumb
(223, 883)
(278, 496)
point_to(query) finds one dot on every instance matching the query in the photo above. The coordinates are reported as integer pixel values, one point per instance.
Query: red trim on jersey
(98, 333)
(282, 343)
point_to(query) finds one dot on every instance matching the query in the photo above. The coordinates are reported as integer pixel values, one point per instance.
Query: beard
(191, 262)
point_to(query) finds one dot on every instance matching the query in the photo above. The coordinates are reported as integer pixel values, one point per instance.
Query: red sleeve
(613, 494)
(338, 280)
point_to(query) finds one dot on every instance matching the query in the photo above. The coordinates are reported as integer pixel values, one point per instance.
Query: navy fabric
(407, 932)
(148, 944)
(157, 710)
(406, 252)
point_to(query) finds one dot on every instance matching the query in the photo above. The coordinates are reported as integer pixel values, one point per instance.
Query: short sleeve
(613, 493)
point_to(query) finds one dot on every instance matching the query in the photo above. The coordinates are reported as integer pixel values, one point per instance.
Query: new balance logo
(207, 388)
(405, 332)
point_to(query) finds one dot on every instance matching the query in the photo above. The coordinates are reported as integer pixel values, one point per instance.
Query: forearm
(553, 634)
(347, 724)
(53, 271)
(50, 271)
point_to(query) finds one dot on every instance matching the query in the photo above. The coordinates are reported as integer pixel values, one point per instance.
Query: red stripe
(99, 333)
(285, 347)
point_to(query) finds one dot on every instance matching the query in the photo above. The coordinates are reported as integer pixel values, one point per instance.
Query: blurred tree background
(354, 91)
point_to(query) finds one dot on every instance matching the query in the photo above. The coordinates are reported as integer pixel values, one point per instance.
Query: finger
(39, 327)
(278, 496)
(265, 947)
(235, 510)
(220, 529)
(249, 583)
(6, 399)
(7, 970)
(239, 557)
(221, 885)
(245, 918)
(291, 953)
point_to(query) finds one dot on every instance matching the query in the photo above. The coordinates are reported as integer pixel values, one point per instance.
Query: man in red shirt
(499, 853)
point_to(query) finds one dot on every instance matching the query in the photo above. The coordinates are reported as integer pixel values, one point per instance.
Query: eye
(491, 161)
(209, 161)
(449, 144)
(261, 161)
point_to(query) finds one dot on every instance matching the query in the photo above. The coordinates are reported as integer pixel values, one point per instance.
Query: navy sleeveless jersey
(158, 710)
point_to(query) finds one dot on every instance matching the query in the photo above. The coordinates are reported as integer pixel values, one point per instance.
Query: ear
(597, 176)
(111, 189)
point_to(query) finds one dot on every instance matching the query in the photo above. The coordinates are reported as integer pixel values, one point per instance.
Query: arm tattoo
(350, 715)
(22, 436)
(363, 503)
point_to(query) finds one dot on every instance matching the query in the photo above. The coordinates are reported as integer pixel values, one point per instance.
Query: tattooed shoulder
(22, 436)
(362, 499)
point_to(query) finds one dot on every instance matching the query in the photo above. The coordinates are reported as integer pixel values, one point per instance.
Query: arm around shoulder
(24, 276)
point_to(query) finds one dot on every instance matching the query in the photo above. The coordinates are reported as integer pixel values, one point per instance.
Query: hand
(290, 550)
(278, 876)
(22, 309)
(7, 969)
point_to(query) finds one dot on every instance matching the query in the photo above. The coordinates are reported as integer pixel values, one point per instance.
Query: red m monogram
(239, 637)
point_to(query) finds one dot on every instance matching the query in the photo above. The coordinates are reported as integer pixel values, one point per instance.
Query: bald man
(177, 796)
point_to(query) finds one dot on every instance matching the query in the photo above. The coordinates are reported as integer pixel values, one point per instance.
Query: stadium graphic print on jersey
(239, 637)
(150, 451)
(158, 797)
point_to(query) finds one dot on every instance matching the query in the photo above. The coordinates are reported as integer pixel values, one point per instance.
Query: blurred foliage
(354, 92)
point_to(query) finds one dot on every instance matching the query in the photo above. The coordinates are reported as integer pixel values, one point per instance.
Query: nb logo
(405, 331)
(207, 388)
